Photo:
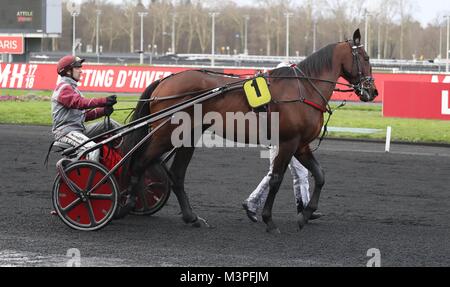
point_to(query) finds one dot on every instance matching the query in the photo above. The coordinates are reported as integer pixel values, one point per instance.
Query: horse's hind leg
(178, 169)
(308, 160)
(280, 164)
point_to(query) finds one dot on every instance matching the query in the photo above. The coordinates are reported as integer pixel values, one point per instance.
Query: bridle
(362, 83)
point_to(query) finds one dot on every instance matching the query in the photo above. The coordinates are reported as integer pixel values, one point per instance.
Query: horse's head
(356, 69)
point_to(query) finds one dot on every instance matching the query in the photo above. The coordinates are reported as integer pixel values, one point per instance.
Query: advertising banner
(416, 100)
(11, 45)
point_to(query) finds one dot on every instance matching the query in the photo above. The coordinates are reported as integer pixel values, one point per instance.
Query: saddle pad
(257, 92)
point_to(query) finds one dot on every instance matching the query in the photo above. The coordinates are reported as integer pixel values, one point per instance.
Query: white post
(150, 50)
(173, 33)
(448, 37)
(440, 41)
(213, 37)
(96, 36)
(74, 14)
(141, 55)
(379, 41)
(366, 31)
(246, 17)
(287, 35)
(388, 139)
(314, 35)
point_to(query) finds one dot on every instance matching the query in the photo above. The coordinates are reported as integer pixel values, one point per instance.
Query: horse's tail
(130, 140)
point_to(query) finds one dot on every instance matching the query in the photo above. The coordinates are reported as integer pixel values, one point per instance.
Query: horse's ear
(357, 37)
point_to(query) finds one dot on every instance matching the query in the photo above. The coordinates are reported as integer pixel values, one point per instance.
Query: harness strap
(176, 96)
(316, 106)
(324, 133)
(223, 74)
(325, 127)
(344, 91)
(327, 108)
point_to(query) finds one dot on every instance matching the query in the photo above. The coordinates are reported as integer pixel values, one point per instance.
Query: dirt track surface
(397, 202)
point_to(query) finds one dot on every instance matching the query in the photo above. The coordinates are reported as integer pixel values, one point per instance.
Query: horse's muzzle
(366, 90)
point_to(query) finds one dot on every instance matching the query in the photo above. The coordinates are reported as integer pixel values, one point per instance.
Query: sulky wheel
(74, 205)
(154, 191)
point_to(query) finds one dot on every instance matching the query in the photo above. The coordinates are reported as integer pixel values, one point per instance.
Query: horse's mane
(313, 65)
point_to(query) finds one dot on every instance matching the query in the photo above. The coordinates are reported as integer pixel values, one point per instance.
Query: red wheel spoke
(71, 206)
(90, 179)
(147, 194)
(156, 198)
(159, 184)
(97, 196)
(145, 203)
(97, 185)
(72, 186)
(91, 213)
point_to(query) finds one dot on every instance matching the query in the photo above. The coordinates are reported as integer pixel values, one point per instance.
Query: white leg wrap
(258, 197)
(300, 181)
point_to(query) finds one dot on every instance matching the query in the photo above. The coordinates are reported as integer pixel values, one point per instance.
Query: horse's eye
(366, 58)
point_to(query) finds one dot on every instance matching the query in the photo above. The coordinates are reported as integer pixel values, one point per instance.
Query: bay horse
(300, 95)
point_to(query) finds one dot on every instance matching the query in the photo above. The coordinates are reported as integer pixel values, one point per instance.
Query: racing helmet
(68, 62)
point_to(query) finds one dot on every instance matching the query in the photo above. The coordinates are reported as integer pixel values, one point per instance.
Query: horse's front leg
(280, 164)
(307, 159)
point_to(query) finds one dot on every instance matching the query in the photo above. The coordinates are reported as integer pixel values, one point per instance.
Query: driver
(70, 109)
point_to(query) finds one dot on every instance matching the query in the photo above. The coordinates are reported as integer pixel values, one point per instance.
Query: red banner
(416, 100)
(11, 45)
(123, 79)
(27, 76)
(113, 79)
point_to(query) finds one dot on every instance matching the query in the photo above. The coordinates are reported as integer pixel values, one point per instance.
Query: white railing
(256, 58)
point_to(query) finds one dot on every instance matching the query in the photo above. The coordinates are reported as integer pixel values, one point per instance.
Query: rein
(325, 126)
(224, 74)
(314, 79)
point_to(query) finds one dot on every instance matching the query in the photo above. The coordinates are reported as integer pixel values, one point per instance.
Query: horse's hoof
(129, 205)
(200, 222)
(273, 230)
(189, 219)
(301, 221)
(250, 214)
(315, 215)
